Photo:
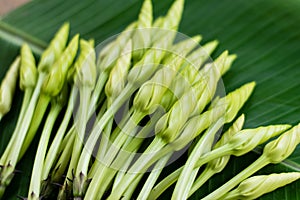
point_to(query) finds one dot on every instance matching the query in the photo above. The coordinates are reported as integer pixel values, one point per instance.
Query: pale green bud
(281, 148)
(111, 52)
(55, 48)
(256, 186)
(85, 65)
(246, 140)
(56, 78)
(8, 87)
(28, 70)
(151, 92)
(118, 75)
(173, 17)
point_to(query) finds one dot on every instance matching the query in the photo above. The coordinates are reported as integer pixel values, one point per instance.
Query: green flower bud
(145, 67)
(182, 48)
(200, 55)
(55, 48)
(142, 36)
(28, 70)
(56, 78)
(279, 149)
(118, 75)
(85, 66)
(237, 99)
(256, 186)
(197, 124)
(170, 124)
(151, 92)
(246, 140)
(8, 87)
(173, 17)
(111, 52)
(210, 76)
(158, 22)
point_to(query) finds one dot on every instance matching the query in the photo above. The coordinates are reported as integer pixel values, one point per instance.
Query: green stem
(172, 178)
(97, 163)
(121, 173)
(56, 143)
(132, 187)
(104, 142)
(189, 172)
(100, 178)
(36, 177)
(154, 152)
(165, 184)
(81, 119)
(122, 137)
(205, 176)
(39, 112)
(58, 170)
(26, 100)
(14, 151)
(97, 91)
(95, 134)
(64, 159)
(152, 178)
(251, 169)
(232, 195)
(106, 172)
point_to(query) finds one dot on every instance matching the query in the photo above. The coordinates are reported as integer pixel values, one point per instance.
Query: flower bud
(281, 148)
(8, 87)
(256, 186)
(85, 66)
(28, 70)
(248, 139)
(56, 78)
(55, 48)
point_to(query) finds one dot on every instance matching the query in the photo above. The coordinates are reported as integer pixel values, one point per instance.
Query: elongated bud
(169, 125)
(118, 75)
(235, 100)
(28, 70)
(248, 139)
(197, 124)
(142, 36)
(281, 148)
(8, 87)
(182, 49)
(111, 52)
(173, 17)
(56, 78)
(151, 92)
(85, 65)
(200, 55)
(256, 186)
(158, 22)
(55, 48)
(210, 76)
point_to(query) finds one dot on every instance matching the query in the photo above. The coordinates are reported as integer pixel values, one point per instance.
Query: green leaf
(264, 34)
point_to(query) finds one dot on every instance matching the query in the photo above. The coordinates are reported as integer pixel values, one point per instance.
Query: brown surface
(8, 5)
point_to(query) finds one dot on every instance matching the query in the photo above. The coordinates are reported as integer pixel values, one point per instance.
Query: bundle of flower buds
(130, 108)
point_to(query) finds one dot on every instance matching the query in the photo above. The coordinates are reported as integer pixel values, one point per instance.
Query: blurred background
(8, 5)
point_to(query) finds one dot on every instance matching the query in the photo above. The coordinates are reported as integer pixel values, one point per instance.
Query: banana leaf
(264, 34)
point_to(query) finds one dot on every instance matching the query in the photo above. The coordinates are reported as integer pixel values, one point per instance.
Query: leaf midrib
(18, 37)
